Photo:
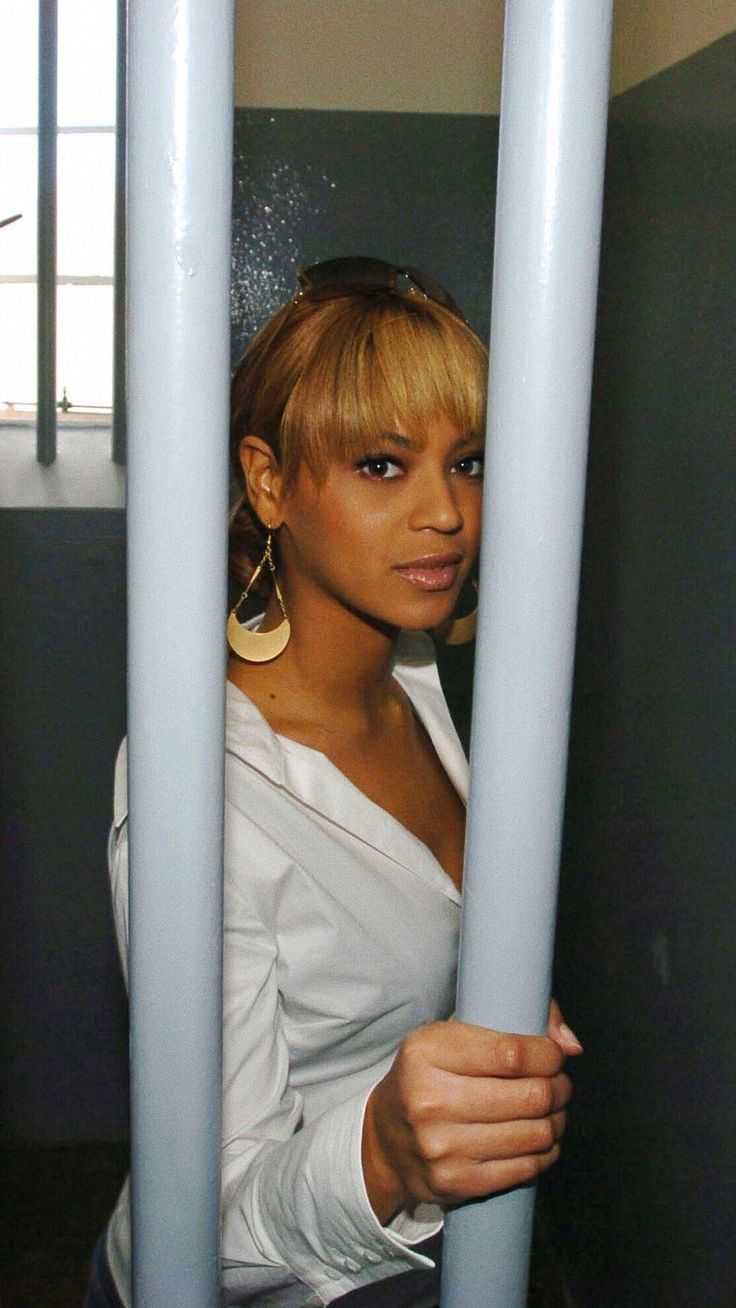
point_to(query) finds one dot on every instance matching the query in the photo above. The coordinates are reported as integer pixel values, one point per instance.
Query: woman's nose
(436, 505)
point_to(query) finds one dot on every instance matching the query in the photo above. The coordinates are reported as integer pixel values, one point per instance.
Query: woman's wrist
(386, 1193)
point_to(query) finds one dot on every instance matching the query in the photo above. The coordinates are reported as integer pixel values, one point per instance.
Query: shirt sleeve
(294, 1203)
(293, 1193)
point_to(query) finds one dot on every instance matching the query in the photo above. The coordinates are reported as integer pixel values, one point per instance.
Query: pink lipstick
(434, 572)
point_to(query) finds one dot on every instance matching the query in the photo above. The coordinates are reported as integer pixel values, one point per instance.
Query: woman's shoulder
(250, 741)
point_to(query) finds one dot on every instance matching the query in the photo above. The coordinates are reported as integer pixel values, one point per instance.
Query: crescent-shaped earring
(259, 646)
(460, 631)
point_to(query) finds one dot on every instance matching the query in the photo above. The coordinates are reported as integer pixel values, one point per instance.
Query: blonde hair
(330, 372)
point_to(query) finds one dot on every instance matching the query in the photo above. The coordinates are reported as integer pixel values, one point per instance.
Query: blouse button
(350, 1265)
(370, 1256)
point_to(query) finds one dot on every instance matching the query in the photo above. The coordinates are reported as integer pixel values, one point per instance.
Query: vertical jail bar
(551, 158)
(119, 407)
(46, 257)
(180, 111)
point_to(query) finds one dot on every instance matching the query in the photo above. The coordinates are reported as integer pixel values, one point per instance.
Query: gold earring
(460, 631)
(259, 646)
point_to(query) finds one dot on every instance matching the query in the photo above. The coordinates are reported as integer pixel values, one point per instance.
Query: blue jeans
(101, 1291)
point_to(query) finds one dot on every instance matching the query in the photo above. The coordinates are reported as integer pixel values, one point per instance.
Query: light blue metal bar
(48, 26)
(180, 112)
(119, 403)
(551, 159)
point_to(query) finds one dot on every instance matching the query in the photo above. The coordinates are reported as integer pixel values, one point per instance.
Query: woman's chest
(406, 779)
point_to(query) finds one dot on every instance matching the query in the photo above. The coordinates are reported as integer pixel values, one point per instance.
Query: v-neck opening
(373, 810)
(374, 807)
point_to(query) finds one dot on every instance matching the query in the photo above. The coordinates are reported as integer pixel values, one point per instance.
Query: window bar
(46, 259)
(550, 182)
(180, 118)
(119, 415)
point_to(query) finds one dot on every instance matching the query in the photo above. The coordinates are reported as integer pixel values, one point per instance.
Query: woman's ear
(263, 479)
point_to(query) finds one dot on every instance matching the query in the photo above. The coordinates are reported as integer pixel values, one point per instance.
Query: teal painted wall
(643, 1206)
(62, 714)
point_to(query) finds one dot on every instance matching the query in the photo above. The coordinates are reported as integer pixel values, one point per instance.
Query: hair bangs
(391, 366)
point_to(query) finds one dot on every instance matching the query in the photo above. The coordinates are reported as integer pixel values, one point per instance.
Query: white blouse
(340, 938)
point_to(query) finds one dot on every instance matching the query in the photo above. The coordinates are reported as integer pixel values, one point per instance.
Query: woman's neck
(336, 667)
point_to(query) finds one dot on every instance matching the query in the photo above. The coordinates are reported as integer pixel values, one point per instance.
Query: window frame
(46, 277)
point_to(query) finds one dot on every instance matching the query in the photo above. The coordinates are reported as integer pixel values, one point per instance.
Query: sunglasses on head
(360, 273)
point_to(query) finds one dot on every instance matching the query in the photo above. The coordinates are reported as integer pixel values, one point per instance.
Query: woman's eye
(470, 467)
(380, 468)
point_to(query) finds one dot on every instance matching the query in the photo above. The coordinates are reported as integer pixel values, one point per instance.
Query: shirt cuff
(309, 1207)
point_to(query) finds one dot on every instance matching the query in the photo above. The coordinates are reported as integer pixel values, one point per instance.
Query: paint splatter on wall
(275, 200)
(310, 185)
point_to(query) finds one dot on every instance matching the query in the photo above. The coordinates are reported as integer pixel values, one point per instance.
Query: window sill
(83, 475)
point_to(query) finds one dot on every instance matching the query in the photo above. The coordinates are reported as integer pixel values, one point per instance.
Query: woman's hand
(464, 1112)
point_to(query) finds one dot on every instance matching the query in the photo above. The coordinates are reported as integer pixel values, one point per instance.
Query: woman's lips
(436, 572)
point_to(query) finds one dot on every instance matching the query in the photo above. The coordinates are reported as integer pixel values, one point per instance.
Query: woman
(354, 1110)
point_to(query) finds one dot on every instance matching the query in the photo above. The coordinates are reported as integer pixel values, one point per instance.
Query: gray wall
(643, 1208)
(63, 714)
(644, 1204)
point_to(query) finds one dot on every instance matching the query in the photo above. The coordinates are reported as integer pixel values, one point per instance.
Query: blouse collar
(314, 781)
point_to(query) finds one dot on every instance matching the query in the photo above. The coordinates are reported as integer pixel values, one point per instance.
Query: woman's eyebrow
(406, 442)
(411, 443)
(472, 438)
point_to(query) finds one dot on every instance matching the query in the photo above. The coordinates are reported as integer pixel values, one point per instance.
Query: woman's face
(390, 536)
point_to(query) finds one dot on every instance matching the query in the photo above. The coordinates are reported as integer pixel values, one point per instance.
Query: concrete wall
(430, 56)
(62, 655)
(643, 1206)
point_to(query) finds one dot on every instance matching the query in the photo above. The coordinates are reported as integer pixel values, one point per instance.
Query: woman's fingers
(450, 1185)
(560, 1032)
(448, 1097)
(465, 1163)
(490, 1143)
(460, 1073)
(462, 1112)
(471, 1050)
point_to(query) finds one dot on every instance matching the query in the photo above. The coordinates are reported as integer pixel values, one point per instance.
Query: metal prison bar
(46, 287)
(554, 100)
(180, 118)
(548, 218)
(48, 23)
(119, 403)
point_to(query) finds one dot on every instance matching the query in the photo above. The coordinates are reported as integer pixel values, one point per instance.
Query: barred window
(60, 64)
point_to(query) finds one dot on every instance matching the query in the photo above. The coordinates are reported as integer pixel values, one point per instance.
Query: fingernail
(569, 1035)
